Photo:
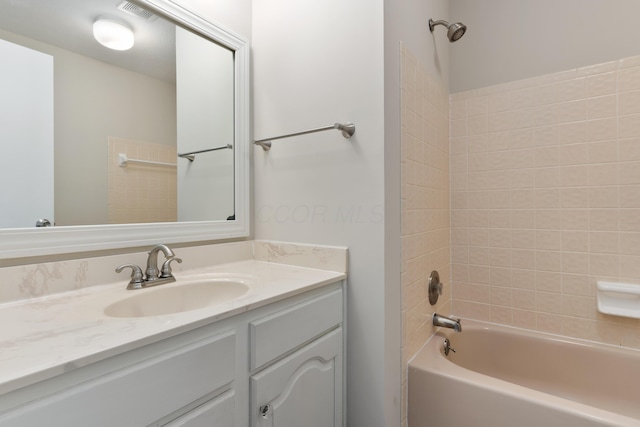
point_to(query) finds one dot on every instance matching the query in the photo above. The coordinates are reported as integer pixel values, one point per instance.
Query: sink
(177, 298)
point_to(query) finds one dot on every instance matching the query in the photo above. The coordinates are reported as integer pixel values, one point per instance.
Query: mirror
(108, 141)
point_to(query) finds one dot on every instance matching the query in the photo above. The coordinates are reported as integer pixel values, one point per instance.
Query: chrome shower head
(454, 31)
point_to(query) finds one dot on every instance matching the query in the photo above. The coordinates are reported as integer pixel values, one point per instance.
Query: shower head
(454, 31)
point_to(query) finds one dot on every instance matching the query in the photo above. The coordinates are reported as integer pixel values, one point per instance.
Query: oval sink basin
(178, 298)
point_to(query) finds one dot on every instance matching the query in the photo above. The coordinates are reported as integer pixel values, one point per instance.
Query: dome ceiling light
(113, 35)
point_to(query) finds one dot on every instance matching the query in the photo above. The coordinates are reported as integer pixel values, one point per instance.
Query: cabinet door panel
(137, 395)
(292, 405)
(303, 389)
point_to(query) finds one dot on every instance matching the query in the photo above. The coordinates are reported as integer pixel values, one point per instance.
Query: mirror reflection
(92, 134)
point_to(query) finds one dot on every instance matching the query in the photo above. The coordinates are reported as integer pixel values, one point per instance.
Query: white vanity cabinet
(285, 356)
(304, 387)
(132, 389)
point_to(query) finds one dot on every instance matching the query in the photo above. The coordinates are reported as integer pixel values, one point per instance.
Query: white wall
(26, 136)
(510, 40)
(408, 22)
(92, 101)
(205, 107)
(405, 23)
(111, 102)
(315, 63)
(233, 15)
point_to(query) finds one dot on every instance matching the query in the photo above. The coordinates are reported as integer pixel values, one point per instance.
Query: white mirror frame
(30, 242)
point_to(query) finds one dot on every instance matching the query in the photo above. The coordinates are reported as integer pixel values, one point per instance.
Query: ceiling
(68, 24)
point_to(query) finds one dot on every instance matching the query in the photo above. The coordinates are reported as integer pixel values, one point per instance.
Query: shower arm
(433, 23)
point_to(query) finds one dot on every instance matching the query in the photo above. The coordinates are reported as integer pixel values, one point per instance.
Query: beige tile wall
(545, 199)
(141, 193)
(425, 203)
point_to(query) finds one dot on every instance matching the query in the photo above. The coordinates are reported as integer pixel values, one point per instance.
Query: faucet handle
(165, 271)
(136, 275)
(435, 287)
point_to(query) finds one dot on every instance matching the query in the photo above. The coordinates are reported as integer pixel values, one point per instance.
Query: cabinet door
(218, 412)
(303, 389)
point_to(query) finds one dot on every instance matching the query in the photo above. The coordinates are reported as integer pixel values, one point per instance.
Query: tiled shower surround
(141, 193)
(425, 203)
(545, 199)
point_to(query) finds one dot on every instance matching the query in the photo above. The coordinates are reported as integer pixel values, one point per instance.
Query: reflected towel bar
(192, 155)
(348, 129)
(123, 160)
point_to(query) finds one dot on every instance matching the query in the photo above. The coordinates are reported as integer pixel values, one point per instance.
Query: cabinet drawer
(218, 412)
(139, 394)
(277, 334)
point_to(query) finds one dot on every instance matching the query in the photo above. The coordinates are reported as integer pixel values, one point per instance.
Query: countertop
(47, 336)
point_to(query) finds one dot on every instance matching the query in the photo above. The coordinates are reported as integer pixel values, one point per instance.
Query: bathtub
(508, 377)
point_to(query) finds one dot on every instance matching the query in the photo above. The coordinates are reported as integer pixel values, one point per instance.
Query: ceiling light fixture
(113, 35)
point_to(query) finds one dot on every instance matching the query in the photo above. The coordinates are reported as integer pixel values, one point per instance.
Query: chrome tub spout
(447, 322)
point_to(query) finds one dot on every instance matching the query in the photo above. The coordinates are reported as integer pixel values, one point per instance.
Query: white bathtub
(508, 377)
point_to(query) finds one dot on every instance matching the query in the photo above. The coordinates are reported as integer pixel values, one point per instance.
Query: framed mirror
(120, 148)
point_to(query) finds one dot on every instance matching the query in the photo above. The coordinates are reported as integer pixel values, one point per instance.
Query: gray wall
(509, 40)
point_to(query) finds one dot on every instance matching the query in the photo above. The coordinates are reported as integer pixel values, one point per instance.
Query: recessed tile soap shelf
(619, 299)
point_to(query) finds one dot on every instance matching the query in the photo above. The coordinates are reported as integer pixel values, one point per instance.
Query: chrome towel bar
(347, 129)
(123, 160)
(192, 155)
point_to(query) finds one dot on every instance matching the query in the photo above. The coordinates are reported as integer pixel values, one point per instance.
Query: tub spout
(447, 322)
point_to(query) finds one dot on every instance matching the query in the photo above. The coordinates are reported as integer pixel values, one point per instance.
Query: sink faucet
(152, 271)
(153, 276)
(447, 322)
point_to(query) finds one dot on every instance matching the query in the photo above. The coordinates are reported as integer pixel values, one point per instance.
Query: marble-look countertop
(48, 336)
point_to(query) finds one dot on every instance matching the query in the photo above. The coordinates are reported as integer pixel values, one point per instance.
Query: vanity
(250, 333)
(268, 355)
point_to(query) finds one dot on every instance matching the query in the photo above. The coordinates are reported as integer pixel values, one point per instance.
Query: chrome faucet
(153, 276)
(447, 322)
(152, 273)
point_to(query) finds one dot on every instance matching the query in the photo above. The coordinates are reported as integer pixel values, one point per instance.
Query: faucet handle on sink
(165, 271)
(136, 275)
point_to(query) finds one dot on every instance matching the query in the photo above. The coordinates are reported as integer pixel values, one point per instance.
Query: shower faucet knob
(435, 287)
